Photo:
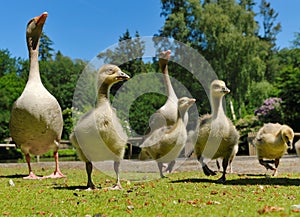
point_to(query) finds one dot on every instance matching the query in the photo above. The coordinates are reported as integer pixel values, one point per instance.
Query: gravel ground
(241, 165)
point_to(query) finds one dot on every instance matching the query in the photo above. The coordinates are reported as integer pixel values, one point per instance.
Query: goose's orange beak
(41, 19)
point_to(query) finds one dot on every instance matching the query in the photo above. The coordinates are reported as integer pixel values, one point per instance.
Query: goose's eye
(32, 23)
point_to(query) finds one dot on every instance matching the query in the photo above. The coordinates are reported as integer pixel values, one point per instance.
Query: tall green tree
(60, 77)
(45, 50)
(127, 53)
(8, 64)
(287, 83)
(225, 33)
(11, 86)
(182, 21)
(296, 40)
(270, 26)
(270, 29)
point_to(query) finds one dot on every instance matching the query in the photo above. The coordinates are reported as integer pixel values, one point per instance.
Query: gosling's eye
(110, 71)
(215, 86)
(287, 138)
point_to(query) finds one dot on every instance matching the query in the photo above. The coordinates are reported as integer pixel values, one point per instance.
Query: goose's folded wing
(155, 137)
(270, 128)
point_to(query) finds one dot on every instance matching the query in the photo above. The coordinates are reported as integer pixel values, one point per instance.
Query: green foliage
(11, 86)
(7, 63)
(45, 49)
(245, 125)
(69, 120)
(127, 54)
(148, 103)
(138, 99)
(61, 77)
(269, 15)
(63, 153)
(270, 29)
(289, 91)
(296, 41)
(257, 93)
(225, 32)
(287, 84)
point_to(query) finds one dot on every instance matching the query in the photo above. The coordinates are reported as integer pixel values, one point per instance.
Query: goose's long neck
(217, 107)
(180, 115)
(34, 72)
(103, 93)
(170, 90)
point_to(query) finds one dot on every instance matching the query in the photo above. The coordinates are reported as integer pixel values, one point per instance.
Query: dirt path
(241, 165)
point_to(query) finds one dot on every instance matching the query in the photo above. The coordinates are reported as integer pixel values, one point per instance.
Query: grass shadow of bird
(193, 180)
(73, 188)
(15, 176)
(265, 180)
(246, 179)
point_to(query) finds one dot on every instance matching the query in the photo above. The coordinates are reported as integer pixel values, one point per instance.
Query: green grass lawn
(181, 194)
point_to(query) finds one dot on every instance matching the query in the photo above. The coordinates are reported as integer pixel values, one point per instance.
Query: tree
(127, 54)
(60, 77)
(7, 63)
(182, 21)
(11, 86)
(270, 30)
(288, 87)
(225, 32)
(257, 93)
(45, 49)
(270, 27)
(296, 41)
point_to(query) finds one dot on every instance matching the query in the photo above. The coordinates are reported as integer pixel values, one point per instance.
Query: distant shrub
(270, 110)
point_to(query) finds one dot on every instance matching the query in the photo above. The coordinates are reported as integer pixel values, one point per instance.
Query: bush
(249, 123)
(270, 111)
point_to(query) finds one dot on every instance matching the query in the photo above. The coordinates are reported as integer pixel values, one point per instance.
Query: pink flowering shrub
(270, 110)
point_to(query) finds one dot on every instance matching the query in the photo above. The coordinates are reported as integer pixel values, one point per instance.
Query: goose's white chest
(36, 120)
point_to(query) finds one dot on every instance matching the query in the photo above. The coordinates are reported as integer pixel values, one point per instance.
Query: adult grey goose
(36, 121)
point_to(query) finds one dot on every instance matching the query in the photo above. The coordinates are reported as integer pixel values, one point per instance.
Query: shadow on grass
(15, 176)
(74, 188)
(193, 180)
(247, 179)
(283, 181)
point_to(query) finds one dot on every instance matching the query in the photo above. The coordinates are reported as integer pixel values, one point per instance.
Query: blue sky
(83, 28)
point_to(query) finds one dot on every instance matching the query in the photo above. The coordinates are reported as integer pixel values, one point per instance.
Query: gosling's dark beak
(165, 55)
(192, 101)
(289, 144)
(225, 90)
